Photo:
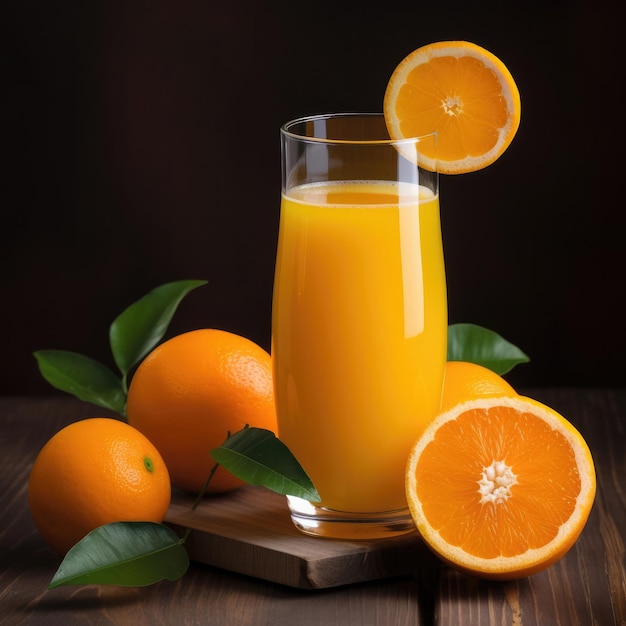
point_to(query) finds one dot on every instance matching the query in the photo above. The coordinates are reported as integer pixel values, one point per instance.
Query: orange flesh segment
(435, 90)
(538, 505)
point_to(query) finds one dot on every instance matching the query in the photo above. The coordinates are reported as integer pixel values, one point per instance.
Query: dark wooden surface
(249, 531)
(587, 587)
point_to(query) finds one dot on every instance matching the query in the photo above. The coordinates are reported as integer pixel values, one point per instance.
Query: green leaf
(82, 377)
(140, 327)
(129, 554)
(469, 342)
(258, 457)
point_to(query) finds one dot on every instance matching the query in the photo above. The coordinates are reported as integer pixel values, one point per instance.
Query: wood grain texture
(587, 587)
(250, 532)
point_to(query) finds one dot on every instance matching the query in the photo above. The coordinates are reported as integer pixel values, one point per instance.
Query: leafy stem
(132, 335)
(200, 495)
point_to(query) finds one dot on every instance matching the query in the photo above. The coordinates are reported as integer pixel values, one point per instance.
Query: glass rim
(286, 131)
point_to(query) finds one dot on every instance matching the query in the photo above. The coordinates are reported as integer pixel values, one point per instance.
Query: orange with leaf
(94, 472)
(191, 392)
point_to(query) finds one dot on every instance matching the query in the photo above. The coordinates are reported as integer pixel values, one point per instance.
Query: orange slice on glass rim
(500, 488)
(461, 91)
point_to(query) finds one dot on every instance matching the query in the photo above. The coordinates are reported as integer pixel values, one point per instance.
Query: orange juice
(359, 334)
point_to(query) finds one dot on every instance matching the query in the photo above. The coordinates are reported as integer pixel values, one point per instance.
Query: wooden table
(587, 587)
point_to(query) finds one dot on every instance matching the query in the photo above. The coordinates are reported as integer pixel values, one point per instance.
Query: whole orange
(94, 472)
(469, 381)
(193, 390)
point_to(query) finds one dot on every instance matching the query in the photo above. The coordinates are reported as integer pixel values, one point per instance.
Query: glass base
(322, 522)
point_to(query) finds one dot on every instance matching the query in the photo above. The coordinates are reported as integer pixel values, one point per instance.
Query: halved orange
(464, 93)
(500, 488)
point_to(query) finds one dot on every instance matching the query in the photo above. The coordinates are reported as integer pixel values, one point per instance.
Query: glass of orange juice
(359, 318)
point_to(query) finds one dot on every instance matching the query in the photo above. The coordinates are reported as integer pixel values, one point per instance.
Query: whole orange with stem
(191, 392)
(94, 472)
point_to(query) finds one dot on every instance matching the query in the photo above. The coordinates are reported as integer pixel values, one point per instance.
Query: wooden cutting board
(249, 531)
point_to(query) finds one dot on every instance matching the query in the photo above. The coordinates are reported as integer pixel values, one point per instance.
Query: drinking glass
(359, 318)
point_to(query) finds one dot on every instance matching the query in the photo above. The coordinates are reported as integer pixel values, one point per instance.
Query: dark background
(142, 147)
